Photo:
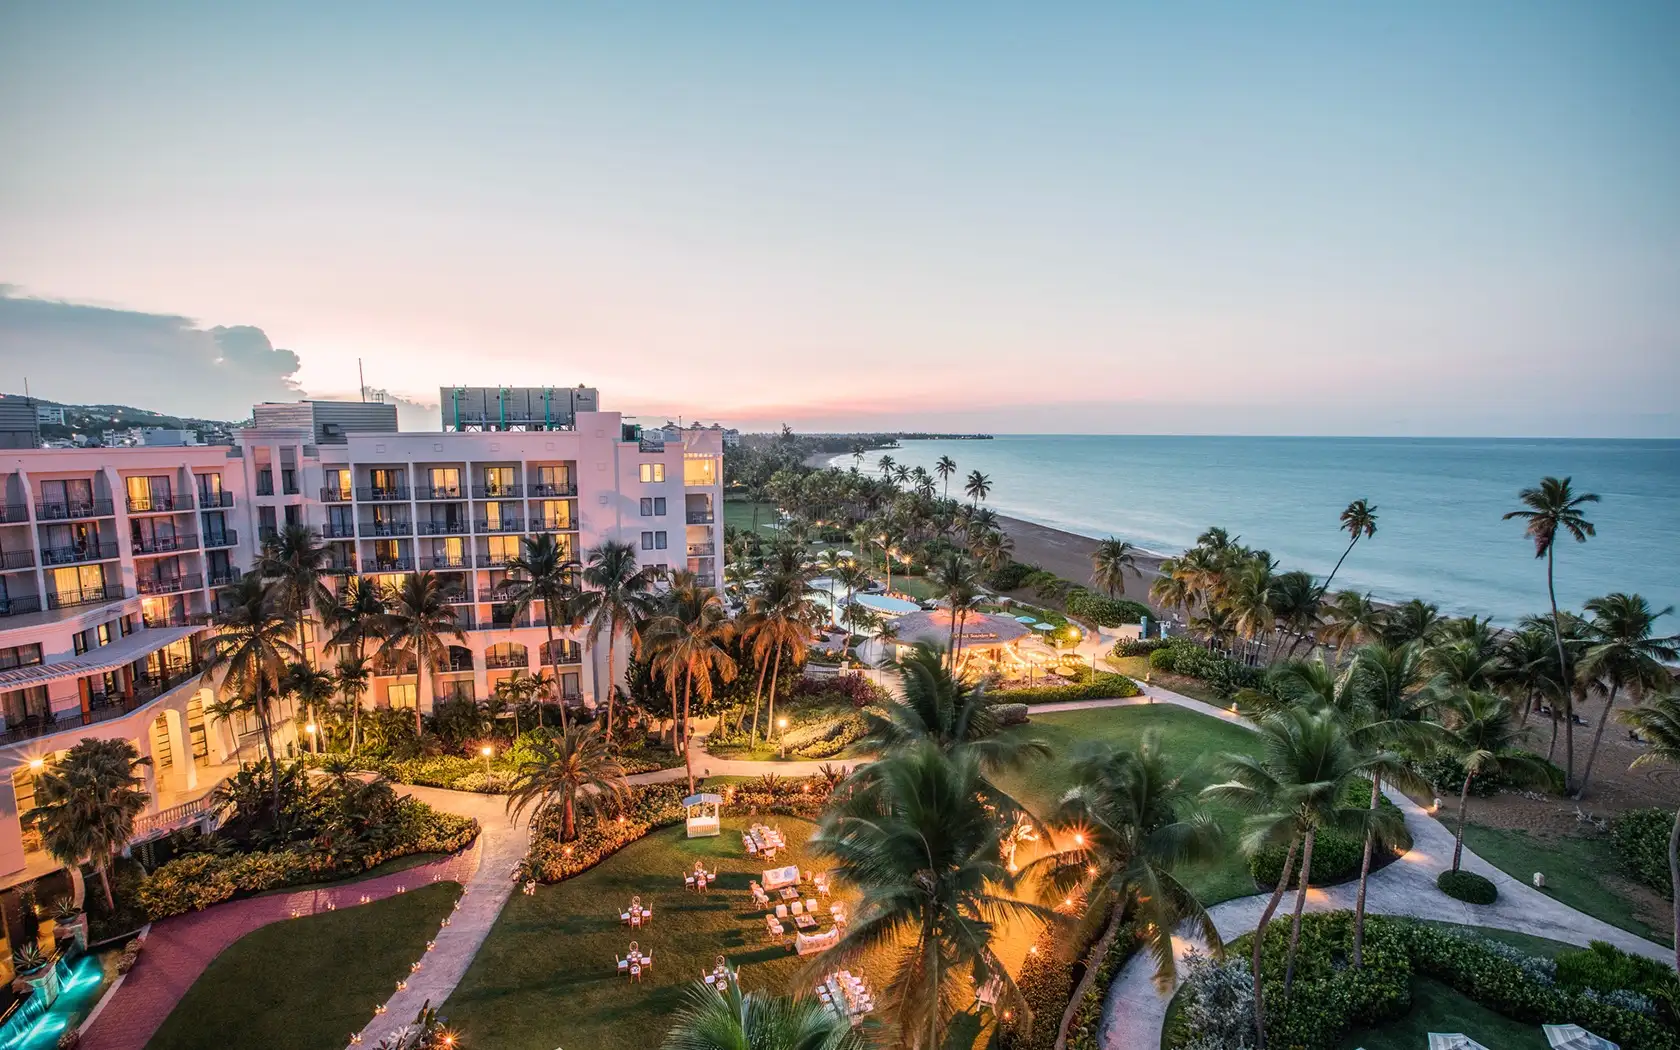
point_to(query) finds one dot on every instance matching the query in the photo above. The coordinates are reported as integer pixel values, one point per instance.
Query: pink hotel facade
(112, 561)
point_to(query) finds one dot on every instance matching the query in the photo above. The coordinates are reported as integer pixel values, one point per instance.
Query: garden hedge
(1010, 576)
(1100, 686)
(1103, 611)
(1336, 857)
(1467, 886)
(1183, 656)
(1046, 980)
(1641, 843)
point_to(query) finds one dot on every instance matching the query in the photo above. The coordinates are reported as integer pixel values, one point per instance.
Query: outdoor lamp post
(314, 745)
(487, 751)
(781, 735)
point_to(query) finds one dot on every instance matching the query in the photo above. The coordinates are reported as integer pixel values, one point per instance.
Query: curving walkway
(1134, 1010)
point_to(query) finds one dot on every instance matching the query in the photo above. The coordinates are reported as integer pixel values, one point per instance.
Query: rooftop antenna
(361, 379)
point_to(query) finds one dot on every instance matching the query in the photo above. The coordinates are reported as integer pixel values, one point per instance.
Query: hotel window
(209, 489)
(653, 507)
(700, 470)
(288, 481)
(385, 482)
(653, 541)
(503, 548)
(265, 481)
(337, 482)
(386, 552)
(20, 656)
(454, 550)
(498, 481)
(145, 493)
(553, 481)
(556, 514)
(294, 514)
(652, 472)
(446, 481)
(400, 694)
(265, 523)
(492, 517)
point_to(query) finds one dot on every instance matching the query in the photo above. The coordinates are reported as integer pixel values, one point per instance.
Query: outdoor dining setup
(634, 962)
(762, 841)
(699, 878)
(846, 994)
(720, 975)
(636, 915)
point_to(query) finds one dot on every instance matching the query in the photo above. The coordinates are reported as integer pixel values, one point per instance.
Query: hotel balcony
(386, 528)
(442, 528)
(23, 559)
(213, 500)
(700, 517)
(436, 492)
(225, 577)
(702, 566)
(110, 592)
(402, 564)
(57, 511)
(504, 525)
(176, 619)
(701, 550)
(13, 513)
(159, 504)
(494, 561)
(455, 597)
(383, 494)
(339, 530)
(225, 538)
(101, 707)
(77, 555)
(541, 491)
(445, 561)
(509, 491)
(20, 604)
(503, 661)
(187, 581)
(165, 544)
(335, 495)
(268, 533)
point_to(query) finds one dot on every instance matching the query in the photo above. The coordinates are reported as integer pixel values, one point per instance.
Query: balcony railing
(187, 581)
(101, 707)
(24, 559)
(224, 577)
(464, 618)
(383, 494)
(340, 568)
(76, 555)
(12, 513)
(702, 566)
(495, 561)
(335, 495)
(212, 500)
(53, 510)
(440, 492)
(387, 564)
(552, 526)
(150, 687)
(165, 544)
(701, 550)
(499, 490)
(504, 525)
(159, 504)
(492, 594)
(500, 661)
(225, 538)
(441, 528)
(699, 517)
(175, 619)
(446, 561)
(386, 528)
(110, 592)
(338, 530)
(459, 597)
(558, 491)
(20, 604)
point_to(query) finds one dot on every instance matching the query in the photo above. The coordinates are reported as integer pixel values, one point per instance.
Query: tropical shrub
(1103, 611)
(1640, 837)
(1603, 967)
(1467, 886)
(1445, 773)
(1047, 978)
(1138, 646)
(854, 689)
(1183, 656)
(1336, 857)
(1011, 714)
(1101, 686)
(1218, 1003)
(833, 738)
(1010, 576)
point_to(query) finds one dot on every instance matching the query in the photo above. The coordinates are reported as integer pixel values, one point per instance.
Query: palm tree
(419, 619)
(573, 769)
(992, 550)
(353, 676)
(920, 845)
(1134, 824)
(959, 584)
(1172, 588)
(1413, 621)
(728, 1019)
(687, 641)
(1623, 654)
(542, 575)
(1552, 507)
(295, 564)
(1352, 619)
(1359, 519)
(1296, 600)
(85, 805)
(979, 486)
(253, 645)
(1249, 600)
(1483, 736)
(1527, 665)
(1295, 789)
(778, 620)
(1658, 722)
(617, 598)
(945, 466)
(886, 464)
(1110, 562)
(312, 687)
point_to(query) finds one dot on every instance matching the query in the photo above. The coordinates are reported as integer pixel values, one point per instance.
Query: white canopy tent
(704, 812)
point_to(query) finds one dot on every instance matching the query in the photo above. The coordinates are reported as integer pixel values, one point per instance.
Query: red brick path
(178, 950)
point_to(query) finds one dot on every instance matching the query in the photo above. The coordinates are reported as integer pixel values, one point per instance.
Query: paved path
(1134, 1010)
(501, 845)
(179, 949)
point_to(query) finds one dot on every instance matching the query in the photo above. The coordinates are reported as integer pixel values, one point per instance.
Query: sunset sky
(1423, 218)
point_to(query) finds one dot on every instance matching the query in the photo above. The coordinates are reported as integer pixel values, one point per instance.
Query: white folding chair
(623, 964)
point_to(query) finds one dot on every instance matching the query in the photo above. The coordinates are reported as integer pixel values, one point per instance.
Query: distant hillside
(92, 419)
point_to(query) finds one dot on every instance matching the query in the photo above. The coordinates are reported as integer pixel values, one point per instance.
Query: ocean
(1439, 533)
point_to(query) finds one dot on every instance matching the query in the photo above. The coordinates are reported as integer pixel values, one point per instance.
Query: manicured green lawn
(1574, 866)
(916, 587)
(1138, 667)
(545, 976)
(1437, 1008)
(307, 984)
(1193, 742)
(738, 513)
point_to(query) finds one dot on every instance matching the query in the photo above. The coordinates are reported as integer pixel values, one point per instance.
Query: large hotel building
(113, 560)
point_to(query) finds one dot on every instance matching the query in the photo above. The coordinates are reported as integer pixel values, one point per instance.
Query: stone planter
(67, 930)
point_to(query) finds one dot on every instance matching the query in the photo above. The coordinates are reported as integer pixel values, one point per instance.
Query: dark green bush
(1336, 857)
(1138, 646)
(1100, 686)
(1103, 611)
(1468, 887)
(1641, 843)
(1010, 576)
(1048, 975)
(1183, 656)
(1603, 967)
(1446, 775)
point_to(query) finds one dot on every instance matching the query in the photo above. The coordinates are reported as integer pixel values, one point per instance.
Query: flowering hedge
(198, 880)
(1100, 686)
(648, 808)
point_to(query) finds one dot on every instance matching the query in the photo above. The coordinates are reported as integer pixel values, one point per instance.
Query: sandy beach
(1068, 555)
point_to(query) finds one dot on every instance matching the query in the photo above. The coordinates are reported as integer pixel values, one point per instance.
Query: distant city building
(163, 437)
(50, 414)
(329, 421)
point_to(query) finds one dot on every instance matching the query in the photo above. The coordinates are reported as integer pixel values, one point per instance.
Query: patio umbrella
(1455, 1041)
(845, 554)
(1574, 1037)
(1028, 620)
(1044, 627)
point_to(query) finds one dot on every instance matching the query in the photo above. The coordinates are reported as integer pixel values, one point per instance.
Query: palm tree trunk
(758, 695)
(1323, 590)
(688, 745)
(775, 670)
(1563, 675)
(1300, 905)
(1093, 961)
(571, 821)
(103, 867)
(1674, 881)
(1260, 943)
(1551, 748)
(268, 742)
(1598, 735)
(419, 670)
(1463, 804)
(612, 691)
(548, 622)
(1364, 879)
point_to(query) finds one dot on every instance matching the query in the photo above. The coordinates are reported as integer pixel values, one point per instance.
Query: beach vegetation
(1659, 722)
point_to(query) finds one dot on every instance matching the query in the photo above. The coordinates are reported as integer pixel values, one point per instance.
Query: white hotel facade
(112, 562)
